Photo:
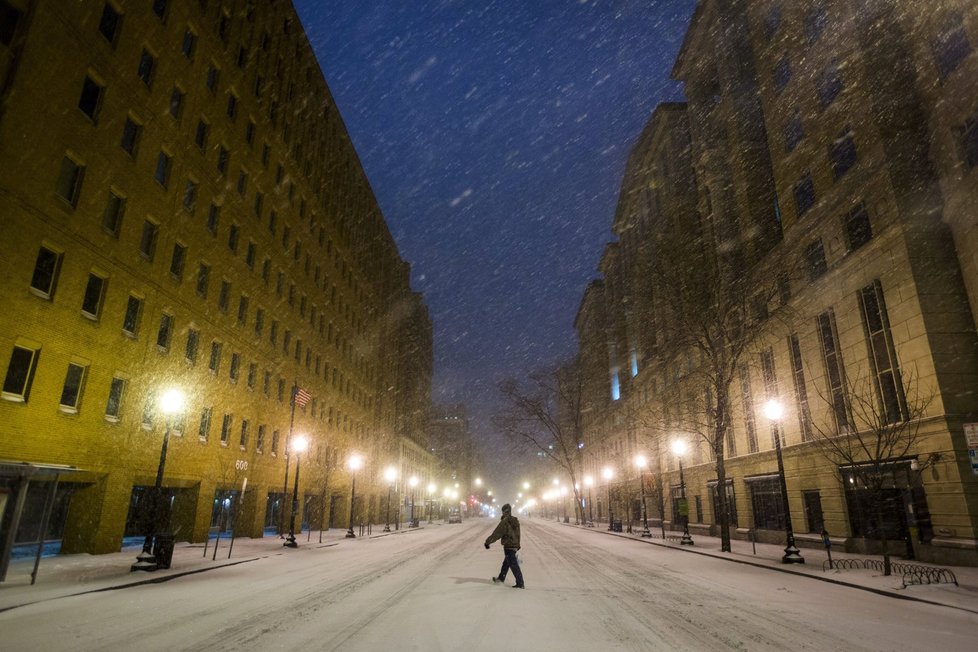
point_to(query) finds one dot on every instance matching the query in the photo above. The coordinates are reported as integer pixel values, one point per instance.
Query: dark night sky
(494, 135)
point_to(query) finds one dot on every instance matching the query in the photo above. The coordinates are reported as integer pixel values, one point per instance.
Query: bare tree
(543, 414)
(711, 304)
(874, 429)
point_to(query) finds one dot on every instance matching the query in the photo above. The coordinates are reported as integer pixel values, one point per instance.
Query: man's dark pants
(510, 562)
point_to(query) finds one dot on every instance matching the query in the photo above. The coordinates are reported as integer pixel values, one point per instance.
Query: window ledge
(14, 398)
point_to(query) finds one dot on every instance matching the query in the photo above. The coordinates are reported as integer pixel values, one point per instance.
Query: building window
(214, 364)
(47, 268)
(204, 430)
(768, 508)
(203, 280)
(951, 44)
(252, 375)
(858, 229)
(225, 429)
(250, 130)
(232, 108)
(224, 297)
(193, 343)
(189, 45)
(91, 98)
(813, 511)
(72, 388)
(731, 502)
(793, 132)
(242, 310)
(147, 241)
(782, 73)
(816, 20)
(112, 215)
(815, 260)
(113, 406)
(772, 21)
(223, 26)
(177, 261)
(250, 254)
(233, 233)
(223, 156)
(882, 354)
(828, 84)
(131, 131)
(149, 411)
(20, 373)
(94, 294)
(164, 163)
(273, 332)
(801, 392)
(176, 103)
(259, 204)
(266, 270)
(130, 321)
(266, 154)
(275, 438)
(272, 221)
(213, 217)
(842, 153)
(200, 137)
(235, 367)
(967, 137)
(108, 25)
(70, 180)
(281, 390)
(260, 439)
(259, 322)
(243, 440)
(747, 403)
(213, 74)
(242, 182)
(159, 8)
(804, 193)
(834, 369)
(190, 195)
(147, 63)
(165, 332)
(266, 385)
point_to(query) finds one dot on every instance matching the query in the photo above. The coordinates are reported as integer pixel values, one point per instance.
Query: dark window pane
(45, 271)
(20, 372)
(108, 26)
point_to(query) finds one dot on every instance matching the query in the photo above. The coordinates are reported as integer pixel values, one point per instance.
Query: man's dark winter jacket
(508, 530)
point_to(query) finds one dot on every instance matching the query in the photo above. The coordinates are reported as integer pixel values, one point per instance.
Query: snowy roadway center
(430, 589)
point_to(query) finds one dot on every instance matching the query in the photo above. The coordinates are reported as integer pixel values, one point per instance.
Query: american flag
(300, 396)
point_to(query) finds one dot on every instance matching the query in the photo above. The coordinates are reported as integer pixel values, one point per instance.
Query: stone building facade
(835, 144)
(181, 206)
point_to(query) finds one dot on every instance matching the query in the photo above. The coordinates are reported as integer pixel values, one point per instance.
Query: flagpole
(285, 485)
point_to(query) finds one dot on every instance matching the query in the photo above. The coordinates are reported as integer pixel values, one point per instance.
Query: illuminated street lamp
(432, 488)
(526, 486)
(589, 481)
(642, 463)
(679, 448)
(354, 463)
(171, 404)
(414, 485)
(608, 473)
(773, 410)
(390, 474)
(299, 446)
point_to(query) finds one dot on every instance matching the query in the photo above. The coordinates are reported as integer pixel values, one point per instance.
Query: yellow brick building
(837, 143)
(181, 207)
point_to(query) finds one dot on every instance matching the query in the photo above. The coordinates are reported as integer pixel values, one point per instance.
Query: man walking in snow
(509, 531)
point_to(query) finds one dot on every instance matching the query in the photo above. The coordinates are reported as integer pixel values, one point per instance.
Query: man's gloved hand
(487, 546)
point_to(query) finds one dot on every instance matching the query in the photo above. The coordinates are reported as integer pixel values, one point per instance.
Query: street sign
(683, 507)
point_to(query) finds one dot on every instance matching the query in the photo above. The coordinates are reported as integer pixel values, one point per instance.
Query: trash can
(163, 550)
(616, 526)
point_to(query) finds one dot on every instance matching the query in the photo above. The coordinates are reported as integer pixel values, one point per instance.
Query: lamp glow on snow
(354, 463)
(298, 446)
(171, 403)
(773, 410)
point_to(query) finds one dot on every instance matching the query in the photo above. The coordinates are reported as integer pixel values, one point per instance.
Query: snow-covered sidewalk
(765, 555)
(64, 575)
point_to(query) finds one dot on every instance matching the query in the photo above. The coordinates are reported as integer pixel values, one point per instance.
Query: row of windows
(44, 281)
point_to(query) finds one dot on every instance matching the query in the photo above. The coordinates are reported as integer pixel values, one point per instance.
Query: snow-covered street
(430, 589)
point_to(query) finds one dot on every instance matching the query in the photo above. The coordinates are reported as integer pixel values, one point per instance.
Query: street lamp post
(773, 410)
(390, 474)
(431, 499)
(642, 463)
(607, 473)
(589, 481)
(414, 485)
(299, 446)
(171, 403)
(679, 448)
(354, 463)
